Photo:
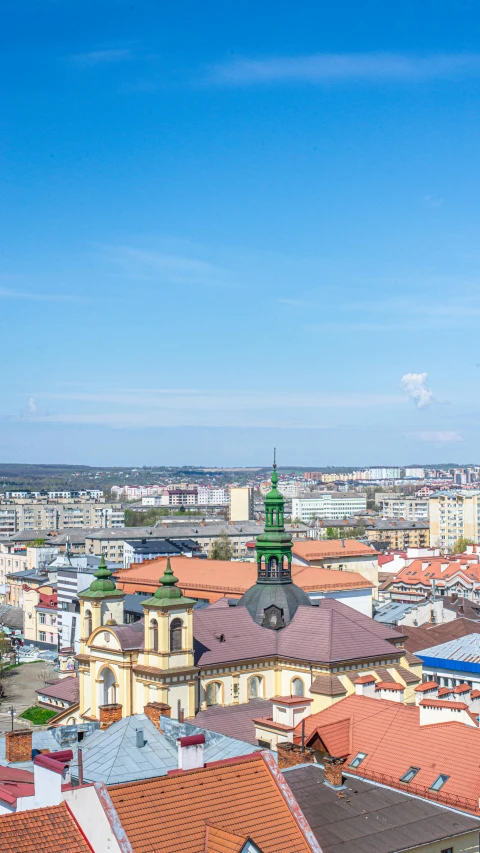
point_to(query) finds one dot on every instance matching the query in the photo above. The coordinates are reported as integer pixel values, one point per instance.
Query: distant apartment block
(334, 505)
(58, 515)
(453, 514)
(414, 473)
(399, 534)
(411, 509)
(241, 504)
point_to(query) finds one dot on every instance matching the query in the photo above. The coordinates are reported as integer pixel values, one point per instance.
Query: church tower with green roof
(101, 603)
(168, 639)
(274, 599)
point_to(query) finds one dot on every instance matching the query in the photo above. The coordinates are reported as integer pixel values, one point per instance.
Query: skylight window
(358, 759)
(410, 774)
(439, 782)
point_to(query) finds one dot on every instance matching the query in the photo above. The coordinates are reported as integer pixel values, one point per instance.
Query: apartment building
(58, 515)
(241, 504)
(334, 505)
(399, 534)
(401, 506)
(453, 514)
(212, 496)
(41, 618)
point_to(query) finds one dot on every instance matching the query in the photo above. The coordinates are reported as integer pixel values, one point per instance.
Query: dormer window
(273, 617)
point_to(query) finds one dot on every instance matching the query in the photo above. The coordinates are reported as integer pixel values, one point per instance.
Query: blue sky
(230, 225)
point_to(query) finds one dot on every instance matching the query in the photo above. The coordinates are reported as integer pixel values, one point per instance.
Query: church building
(271, 642)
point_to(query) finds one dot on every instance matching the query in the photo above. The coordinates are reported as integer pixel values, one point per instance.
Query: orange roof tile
(214, 579)
(317, 549)
(365, 679)
(219, 841)
(427, 685)
(446, 691)
(462, 688)
(388, 685)
(52, 829)
(391, 736)
(443, 703)
(241, 795)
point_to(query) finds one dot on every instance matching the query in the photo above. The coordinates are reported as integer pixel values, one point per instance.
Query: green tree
(460, 545)
(4, 661)
(221, 548)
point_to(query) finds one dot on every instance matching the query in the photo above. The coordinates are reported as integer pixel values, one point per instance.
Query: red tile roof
(443, 703)
(219, 841)
(365, 679)
(388, 685)
(447, 691)
(391, 735)
(318, 549)
(427, 685)
(462, 688)
(51, 829)
(240, 796)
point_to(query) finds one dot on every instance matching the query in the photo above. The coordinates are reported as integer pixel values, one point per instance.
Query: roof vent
(220, 637)
(139, 738)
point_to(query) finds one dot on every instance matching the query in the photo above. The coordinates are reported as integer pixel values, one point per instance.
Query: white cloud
(144, 264)
(32, 406)
(415, 387)
(101, 57)
(437, 436)
(331, 67)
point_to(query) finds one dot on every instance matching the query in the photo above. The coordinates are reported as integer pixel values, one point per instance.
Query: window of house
(298, 687)
(358, 759)
(41, 618)
(42, 636)
(409, 775)
(176, 626)
(213, 693)
(439, 782)
(255, 687)
(154, 635)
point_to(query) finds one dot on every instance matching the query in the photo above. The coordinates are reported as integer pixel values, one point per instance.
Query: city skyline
(258, 229)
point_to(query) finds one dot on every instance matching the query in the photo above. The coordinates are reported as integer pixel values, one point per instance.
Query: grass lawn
(38, 716)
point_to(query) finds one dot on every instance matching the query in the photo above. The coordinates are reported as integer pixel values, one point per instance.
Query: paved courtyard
(20, 685)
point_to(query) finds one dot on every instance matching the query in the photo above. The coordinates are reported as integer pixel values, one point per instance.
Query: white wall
(359, 599)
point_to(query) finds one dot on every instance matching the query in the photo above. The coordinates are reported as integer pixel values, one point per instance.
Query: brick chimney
(290, 755)
(18, 745)
(109, 714)
(332, 769)
(155, 710)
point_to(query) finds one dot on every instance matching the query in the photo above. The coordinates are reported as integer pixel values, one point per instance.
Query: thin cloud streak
(322, 68)
(6, 293)
(101, 57)
(148, 264)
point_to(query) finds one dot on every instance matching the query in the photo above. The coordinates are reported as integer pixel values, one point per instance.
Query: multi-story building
(291, 489)
(241, 504)
(58, 515)
(378, 474)
(411, 509)
(212, 496)
(399, 534)
(328, 505)
(414, 473)
(41, 624)
(453, 514)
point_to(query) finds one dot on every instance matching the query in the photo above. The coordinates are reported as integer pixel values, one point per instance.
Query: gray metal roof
(464, 648)
(392, 611)
(112, 756)
(369, 818)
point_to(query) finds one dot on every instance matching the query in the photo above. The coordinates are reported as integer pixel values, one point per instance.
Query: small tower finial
(274, 457)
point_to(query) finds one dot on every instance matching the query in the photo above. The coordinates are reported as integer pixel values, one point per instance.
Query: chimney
(343, 543)
(139, 738)
(444, 711)
(463, 693)
(50, 772)
(109, 714)
(18, 745)
(190, 752)
(391, 691)
(365, 685)
(426, 690)
(332, 769)
(155, 710)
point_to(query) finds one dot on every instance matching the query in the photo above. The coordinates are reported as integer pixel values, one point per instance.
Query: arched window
(154, 635)
(88, 623)
(273, 567)
(109, 688)
(255, 687)
(176, 626)
(213, 693)
(297, 687)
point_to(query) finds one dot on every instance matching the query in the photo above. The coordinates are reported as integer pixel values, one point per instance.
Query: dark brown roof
(369, 818)
(65, 688)
(424, 638)
(408, 676)
(328, 685)
(129, 636)
(330, 632)
(462, 606)
(234, 720)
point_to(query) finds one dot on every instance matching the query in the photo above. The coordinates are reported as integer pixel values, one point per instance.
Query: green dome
(103, 586)
(168, 592)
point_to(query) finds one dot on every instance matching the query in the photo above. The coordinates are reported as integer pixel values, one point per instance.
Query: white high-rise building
(334, 505)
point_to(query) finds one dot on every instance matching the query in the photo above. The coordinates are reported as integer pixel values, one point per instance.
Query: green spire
(274, 546)
(104, 586)
(274, 504)
(168, 592)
